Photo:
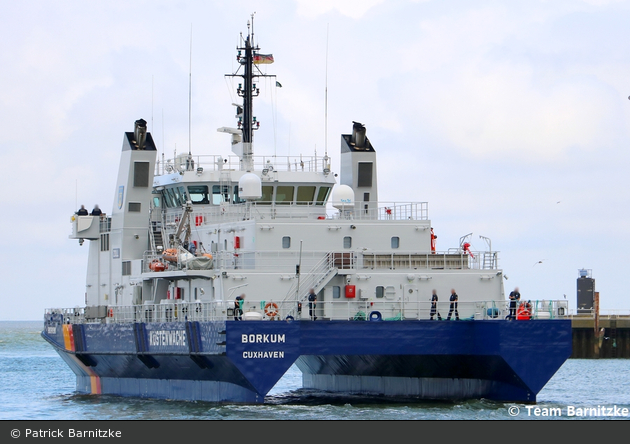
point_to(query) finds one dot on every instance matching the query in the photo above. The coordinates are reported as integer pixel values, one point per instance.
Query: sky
(511, 119)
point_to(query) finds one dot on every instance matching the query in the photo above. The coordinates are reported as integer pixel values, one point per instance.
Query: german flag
(263, 59)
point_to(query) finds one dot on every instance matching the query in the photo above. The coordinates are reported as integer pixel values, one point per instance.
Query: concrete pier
(600, 337)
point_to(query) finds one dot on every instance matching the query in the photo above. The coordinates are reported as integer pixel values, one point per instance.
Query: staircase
(316, 278)
(157, 239)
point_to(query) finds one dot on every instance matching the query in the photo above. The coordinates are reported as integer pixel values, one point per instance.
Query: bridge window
(267, 195)
(180, 196)
(322, 195)
(198, 194)
(220, 194)
(305, 195)
(284, 194)
(168, 198)
(237, 199)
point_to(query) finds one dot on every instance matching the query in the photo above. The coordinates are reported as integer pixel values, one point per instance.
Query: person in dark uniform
(515, 296)
(434, 299)
(96, 211)
(238, 307)
(82, 211)
(454, 298)
(312, 299)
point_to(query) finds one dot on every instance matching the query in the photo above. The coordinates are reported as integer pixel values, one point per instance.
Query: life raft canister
(271, 309)
(523, 313)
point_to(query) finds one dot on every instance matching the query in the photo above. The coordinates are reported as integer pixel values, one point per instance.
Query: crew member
(96, 211)
(82, 211)
(454, 298)
(434, 299)
(312, 299)
(238, 307)
(515, 297)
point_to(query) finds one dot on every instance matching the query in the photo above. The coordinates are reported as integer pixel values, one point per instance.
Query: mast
(247, 123)
(247, 94)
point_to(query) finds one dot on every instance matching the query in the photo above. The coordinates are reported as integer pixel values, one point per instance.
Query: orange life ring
(110, 313)
(271, 309)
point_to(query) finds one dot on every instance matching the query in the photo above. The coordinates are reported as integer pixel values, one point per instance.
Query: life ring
(376, 316)
(289, 318)
(271, 309)
(110, 313)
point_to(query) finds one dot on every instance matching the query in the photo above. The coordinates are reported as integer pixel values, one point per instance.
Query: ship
(216, 273)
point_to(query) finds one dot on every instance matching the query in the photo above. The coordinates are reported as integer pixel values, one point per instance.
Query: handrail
(315, 278)
(173, 310)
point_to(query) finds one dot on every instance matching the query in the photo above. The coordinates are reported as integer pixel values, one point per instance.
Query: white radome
(342, 197)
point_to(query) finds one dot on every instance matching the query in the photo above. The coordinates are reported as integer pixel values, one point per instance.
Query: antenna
(326, 101)
(253, 29)
(190, 92)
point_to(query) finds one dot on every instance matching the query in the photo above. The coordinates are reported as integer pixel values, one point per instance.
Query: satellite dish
(250, 187)
(343, 197)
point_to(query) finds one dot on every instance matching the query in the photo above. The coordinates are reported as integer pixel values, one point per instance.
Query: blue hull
(231, 361)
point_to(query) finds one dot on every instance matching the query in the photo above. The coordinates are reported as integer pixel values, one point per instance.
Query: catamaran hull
(239, 362)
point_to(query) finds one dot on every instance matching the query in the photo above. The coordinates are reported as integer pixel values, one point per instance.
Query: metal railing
(316, 278)
(173, 310)
(227, 212)
(260, 163)
(284, 262)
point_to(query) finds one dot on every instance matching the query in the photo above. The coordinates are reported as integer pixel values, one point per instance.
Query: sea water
(35, 384)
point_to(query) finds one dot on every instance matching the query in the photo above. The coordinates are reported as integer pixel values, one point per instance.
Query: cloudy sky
(510, 118)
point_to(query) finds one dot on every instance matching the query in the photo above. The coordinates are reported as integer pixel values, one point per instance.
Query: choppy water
(35, 384)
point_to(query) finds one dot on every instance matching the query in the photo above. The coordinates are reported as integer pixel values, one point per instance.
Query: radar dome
(249, 187)
(343, 197)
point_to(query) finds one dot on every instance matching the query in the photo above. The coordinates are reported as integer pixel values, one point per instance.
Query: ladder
(225, 183)
(316, 278)
(489, 261)
(157, 239)
(613, 337)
